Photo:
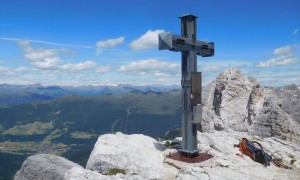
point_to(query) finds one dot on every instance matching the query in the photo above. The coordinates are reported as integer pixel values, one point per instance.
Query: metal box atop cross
(190, 79)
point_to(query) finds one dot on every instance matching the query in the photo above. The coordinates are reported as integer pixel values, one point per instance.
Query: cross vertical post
(190, 79)
(188, 65)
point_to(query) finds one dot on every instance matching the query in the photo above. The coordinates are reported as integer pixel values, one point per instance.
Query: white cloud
(295, 32)
(22, 69)
(151, 67)
(79, 66)
(283, 56)
(4, 71)
(47, 63)
(147, 41)
(109, 43)
(278, 61)
(103, 69)
(36, 55)
(284, 50)
(40, 58)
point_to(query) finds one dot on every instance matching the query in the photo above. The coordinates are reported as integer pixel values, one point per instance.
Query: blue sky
(91, 42)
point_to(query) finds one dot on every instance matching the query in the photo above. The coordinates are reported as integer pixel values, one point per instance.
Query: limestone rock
(192, 173)
(235, 102)
(136, 154)
(84, 174)
(142, 157)
(227, 165)
(44, 166)
(289, 99)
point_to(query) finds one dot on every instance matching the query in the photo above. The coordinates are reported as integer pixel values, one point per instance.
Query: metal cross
(190, 79)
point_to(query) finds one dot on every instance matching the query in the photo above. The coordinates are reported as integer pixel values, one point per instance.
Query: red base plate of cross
(199, 157)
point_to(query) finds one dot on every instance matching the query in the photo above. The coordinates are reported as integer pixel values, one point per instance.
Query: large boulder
(235, 102)
(44, 166)
(135, 154)
(138, 157)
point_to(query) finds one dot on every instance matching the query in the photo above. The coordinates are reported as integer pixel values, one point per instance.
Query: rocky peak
(236, 102)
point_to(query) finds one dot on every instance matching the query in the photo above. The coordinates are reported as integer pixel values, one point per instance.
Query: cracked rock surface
(44, 166)
(147, 160)
(235, 102)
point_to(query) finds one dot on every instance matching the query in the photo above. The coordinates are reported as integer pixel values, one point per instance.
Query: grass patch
(279, 160)
(82, 135)
(33, 147)
(114, 171)
(29, 129)
(170, 143)
(167, 143)
(293, 161)
(56, 134)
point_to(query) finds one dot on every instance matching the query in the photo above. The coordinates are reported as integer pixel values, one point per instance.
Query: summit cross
(190, 79)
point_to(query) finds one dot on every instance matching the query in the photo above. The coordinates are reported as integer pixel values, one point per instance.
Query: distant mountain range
(70, 125)
(19, 94)
(67, 120)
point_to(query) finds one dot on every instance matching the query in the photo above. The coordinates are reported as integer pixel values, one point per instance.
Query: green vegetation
(82, 135)
(56, 134)
(33, 147)
(29, 129)
(293, 161)
(69, 126)
(172, 134)
(278, 159)
(9, 164)
(167, 143)
(1, 128)
(114, 171)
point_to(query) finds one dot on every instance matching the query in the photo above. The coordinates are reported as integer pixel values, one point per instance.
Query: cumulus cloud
(283, 56)
(147, 41)
(278, 61)
(39, 57)
(103, 69)
(22, 69)
(4, 71)
(284, 50)
(109, 43)
(79, 66)
(151, 67)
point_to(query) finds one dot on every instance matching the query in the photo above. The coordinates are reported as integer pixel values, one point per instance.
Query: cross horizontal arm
(178, 43)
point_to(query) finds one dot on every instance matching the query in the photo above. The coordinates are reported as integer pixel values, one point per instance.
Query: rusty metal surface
(196, 159)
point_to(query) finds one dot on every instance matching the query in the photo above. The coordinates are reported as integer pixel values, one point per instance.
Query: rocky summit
(138, 157)
(239, 103)
(235, 106)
